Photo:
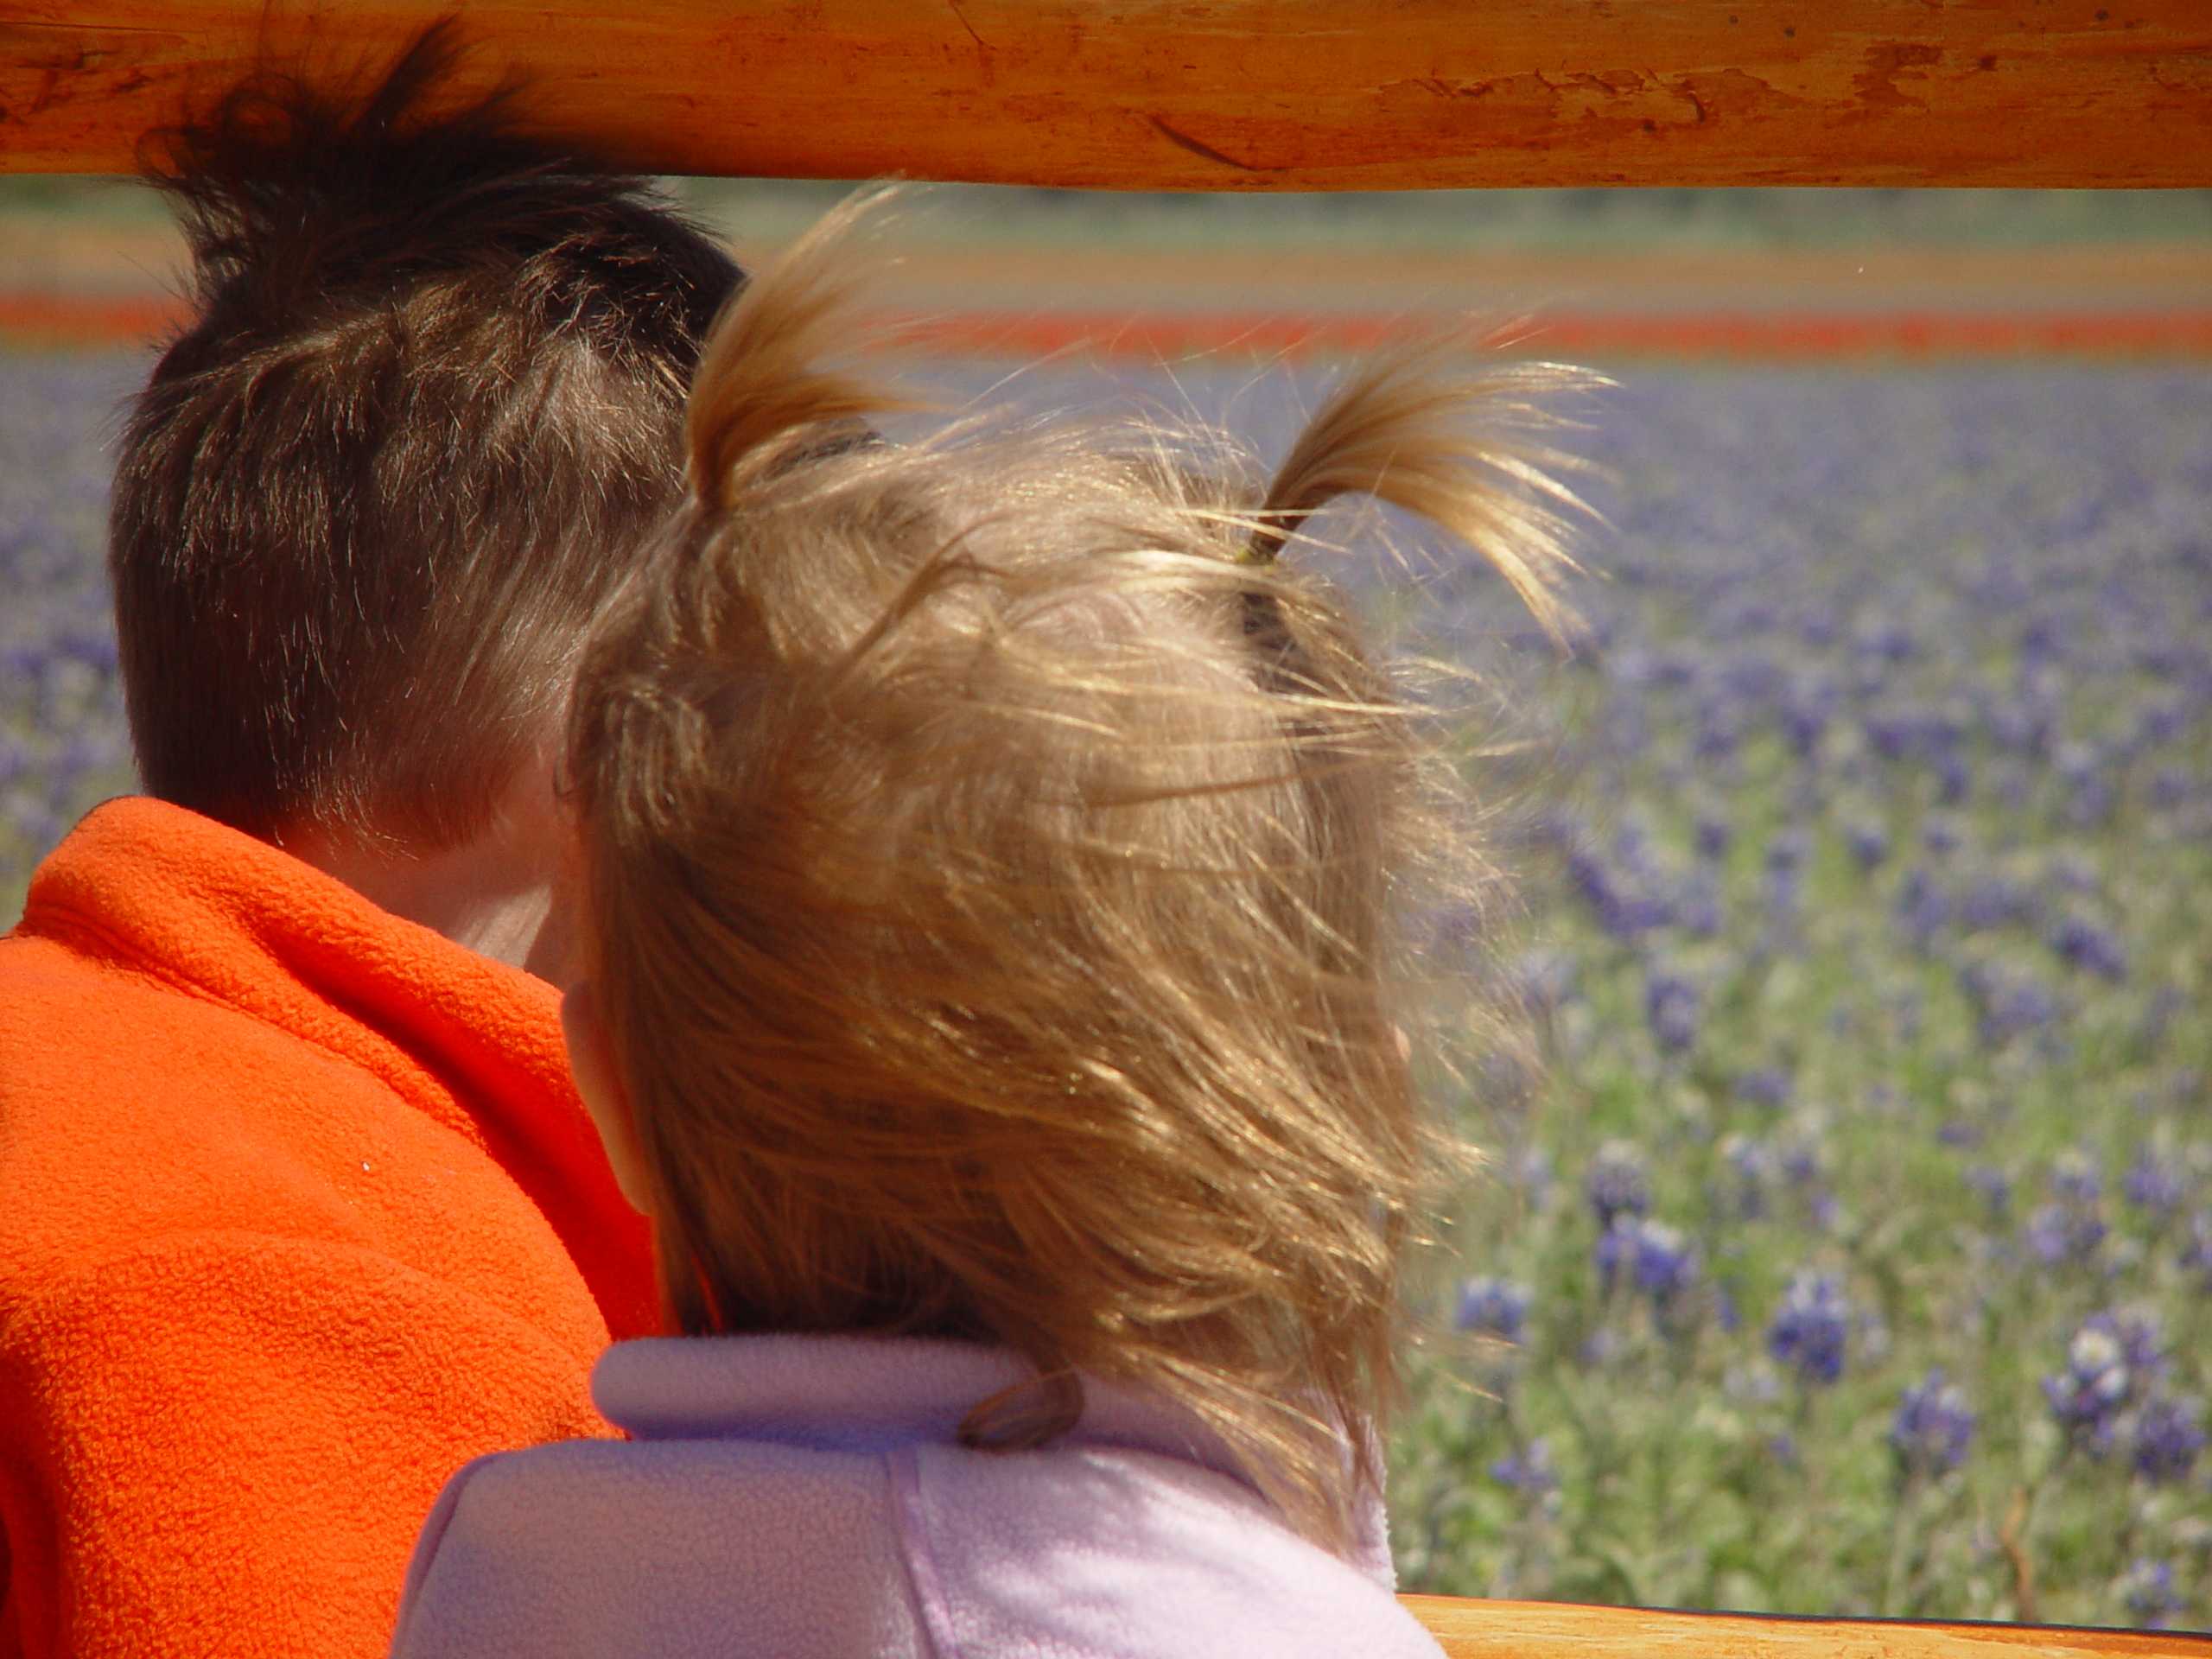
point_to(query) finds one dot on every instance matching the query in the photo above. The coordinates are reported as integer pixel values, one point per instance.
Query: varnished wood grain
(1537, 1630)
(1233, 94)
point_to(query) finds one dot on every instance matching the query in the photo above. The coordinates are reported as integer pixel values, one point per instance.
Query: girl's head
(990, 852)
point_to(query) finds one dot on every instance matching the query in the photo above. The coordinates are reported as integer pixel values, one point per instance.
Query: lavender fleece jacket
(802, 1498)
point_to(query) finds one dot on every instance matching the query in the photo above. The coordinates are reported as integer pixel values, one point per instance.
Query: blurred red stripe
(1781, 335)
(46, 319)
(58, 320)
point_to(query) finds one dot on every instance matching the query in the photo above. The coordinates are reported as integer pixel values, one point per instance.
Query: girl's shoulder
(678, 1548)
(806, 1496)
(1105, 1549)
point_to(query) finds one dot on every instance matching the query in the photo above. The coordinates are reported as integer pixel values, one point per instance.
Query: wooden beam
(1229, 94)
(1539, 1630)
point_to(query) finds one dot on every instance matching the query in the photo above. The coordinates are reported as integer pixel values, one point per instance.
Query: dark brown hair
(992, 852)
(428, 409)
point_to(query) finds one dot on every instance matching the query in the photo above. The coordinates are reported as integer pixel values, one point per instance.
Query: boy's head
(989, 852)
(372, 496)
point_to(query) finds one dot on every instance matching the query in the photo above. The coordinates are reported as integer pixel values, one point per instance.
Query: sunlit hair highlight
(994, 853)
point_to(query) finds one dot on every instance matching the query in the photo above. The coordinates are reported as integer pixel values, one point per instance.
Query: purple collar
(860, 1394)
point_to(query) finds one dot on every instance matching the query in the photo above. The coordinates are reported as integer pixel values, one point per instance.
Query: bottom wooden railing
(1544, 1630)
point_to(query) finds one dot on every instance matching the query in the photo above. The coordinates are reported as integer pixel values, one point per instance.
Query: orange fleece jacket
(299, 1212)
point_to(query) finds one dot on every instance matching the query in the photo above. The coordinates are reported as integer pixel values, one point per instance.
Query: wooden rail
(1536, 1630)
(1228, 94)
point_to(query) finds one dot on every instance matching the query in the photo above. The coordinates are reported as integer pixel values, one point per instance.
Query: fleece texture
(805, 1497)
(299, 1212)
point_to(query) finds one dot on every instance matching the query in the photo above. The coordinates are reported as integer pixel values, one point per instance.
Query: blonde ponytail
(1438, 429)
(765, 392)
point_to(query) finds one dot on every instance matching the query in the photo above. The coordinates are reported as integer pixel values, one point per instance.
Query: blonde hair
(991, 849)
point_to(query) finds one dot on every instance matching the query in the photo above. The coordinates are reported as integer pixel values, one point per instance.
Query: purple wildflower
(1995, 902)
(1726, 1313)
(2071, 1230)
(1666, 1264)
(1933, 1427)
(2089, 947)
(1768, 1086)
(1697, 904)
(1996, 1191)
(2085, 1397)
(1616, 1184)
(1530, 1471)
(1672, 1005)
(1953, 777)
(2147, 1590)
(2075, 1177)
(1660, 1264)
(1869, 845)
(2169, 1434)
(2060, 1233)
(1616, 1251)
(2090, 793)
(2197, 1258)
(1786, 853)
(1803, 720)
(1492, 1307)
(2012, 1004)
(1893, 736)
(1621, 910)
(1811, 1330)
(2162, 723)
(1801, 1162)
(2142, 1342)
(2154, 1184)
(1920, 907)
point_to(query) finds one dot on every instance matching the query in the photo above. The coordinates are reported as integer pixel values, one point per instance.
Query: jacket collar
(861, 1394)
(153, 889)
(874, 1395)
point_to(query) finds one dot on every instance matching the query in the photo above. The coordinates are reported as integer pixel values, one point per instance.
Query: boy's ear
(599, 1080)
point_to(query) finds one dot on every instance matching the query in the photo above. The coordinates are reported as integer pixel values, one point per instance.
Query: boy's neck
(496, 894)
(473, 894)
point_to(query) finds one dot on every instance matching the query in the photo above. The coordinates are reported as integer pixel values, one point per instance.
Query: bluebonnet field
(1852, 1252)
(63, 741)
